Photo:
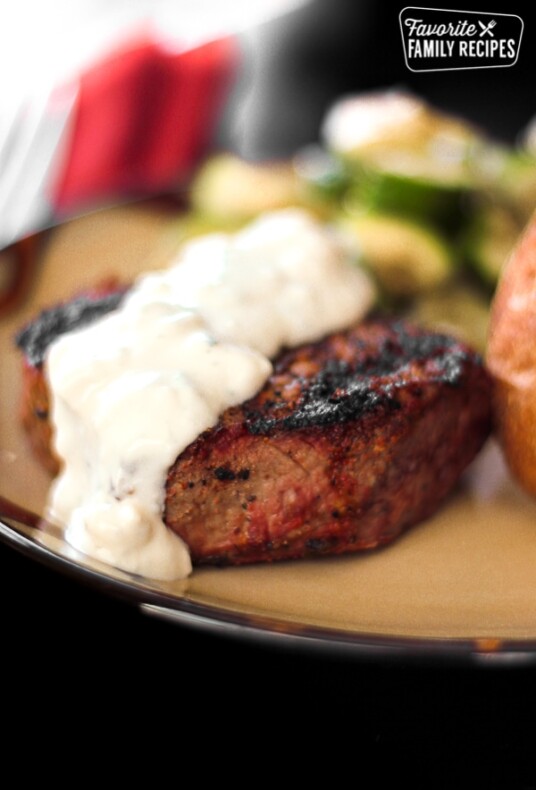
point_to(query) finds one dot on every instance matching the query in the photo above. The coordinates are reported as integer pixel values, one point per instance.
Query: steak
(34, 340)
(351, 441)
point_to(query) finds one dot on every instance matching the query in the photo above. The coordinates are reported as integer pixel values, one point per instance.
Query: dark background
(335, 47)
(79, 654)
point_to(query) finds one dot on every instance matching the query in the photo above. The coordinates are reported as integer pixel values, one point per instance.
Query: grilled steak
(351, 441)
(34, 340)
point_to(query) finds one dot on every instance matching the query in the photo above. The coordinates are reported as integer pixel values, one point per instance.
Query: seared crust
(34, 340)
(351, 441)
(35, 415)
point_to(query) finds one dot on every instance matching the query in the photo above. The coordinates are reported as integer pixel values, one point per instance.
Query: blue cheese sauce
(131, 391)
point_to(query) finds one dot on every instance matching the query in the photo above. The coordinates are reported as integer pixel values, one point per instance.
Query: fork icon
(487, 28)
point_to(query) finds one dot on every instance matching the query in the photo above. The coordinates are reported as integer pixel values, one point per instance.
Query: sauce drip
(131, 391)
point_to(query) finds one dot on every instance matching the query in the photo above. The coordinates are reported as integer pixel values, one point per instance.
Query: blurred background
(302, 63)
(103, 101)
(287, 64)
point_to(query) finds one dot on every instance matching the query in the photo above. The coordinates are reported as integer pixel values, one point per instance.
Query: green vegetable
(233, 189)
(458, 309)
(413, 196)
(406, 258)
(516, 183)
(489, 240)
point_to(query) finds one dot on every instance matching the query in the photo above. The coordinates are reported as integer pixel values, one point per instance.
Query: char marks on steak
(352, 440)
(34, 340)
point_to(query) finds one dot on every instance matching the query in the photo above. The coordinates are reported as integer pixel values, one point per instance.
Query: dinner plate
(462, 583)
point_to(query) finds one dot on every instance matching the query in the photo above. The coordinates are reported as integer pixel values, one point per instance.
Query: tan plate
(464, 582)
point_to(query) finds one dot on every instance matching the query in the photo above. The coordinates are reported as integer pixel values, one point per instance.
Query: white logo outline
(459, 11)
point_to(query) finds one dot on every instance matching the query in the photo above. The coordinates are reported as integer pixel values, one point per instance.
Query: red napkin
(142, 118)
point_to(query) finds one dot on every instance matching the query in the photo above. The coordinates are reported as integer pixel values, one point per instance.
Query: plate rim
(264, 628)
(186, 612)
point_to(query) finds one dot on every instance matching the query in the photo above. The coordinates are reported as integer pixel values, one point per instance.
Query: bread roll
(511, 358)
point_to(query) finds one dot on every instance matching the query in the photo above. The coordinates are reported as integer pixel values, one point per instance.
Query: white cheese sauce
(131, 391)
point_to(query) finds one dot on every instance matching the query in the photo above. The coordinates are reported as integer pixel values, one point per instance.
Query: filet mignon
(352, 440)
